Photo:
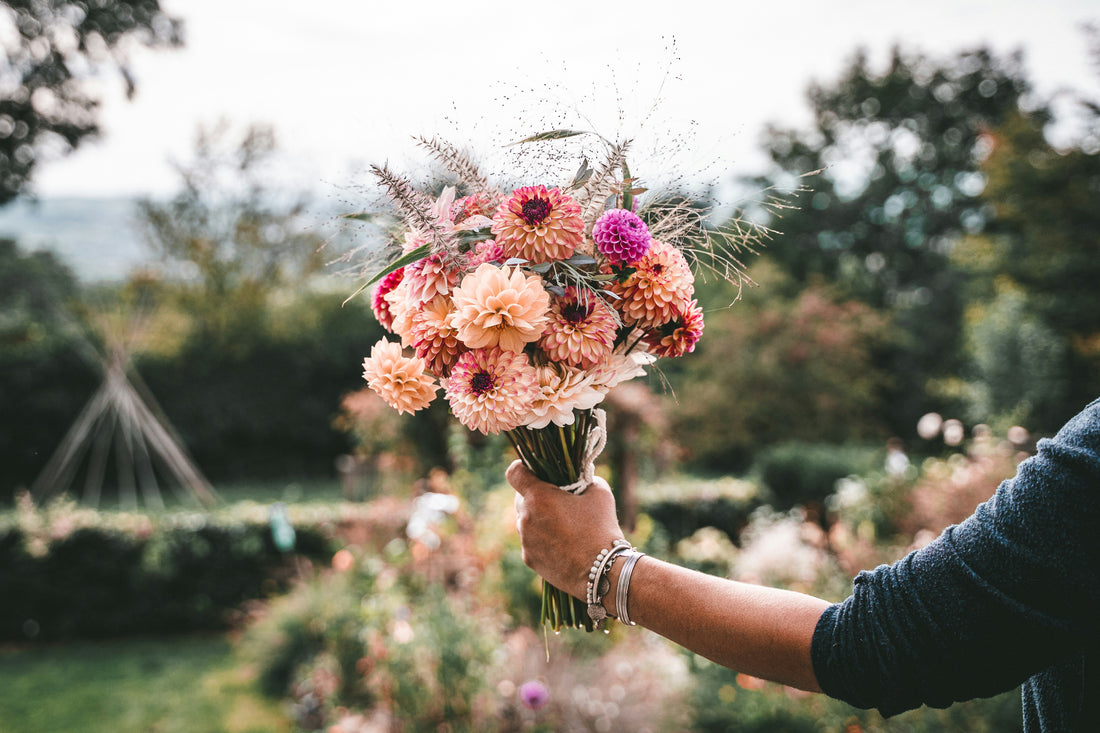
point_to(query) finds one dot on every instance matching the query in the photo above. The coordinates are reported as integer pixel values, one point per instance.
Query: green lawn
(172, 685)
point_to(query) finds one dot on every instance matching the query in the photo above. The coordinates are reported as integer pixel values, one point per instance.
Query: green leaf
(406, 259)
(548, 135)
(579, 259)
(361, 216)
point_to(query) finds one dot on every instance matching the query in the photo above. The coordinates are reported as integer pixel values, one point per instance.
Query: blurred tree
(52, 49)
(44, 379)
(229, 236)
(900, 153)
(776, 370)
(1035, 333)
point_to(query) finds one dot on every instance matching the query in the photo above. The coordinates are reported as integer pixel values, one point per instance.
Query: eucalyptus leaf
(579, 259)
(541, 268)
(557, 290)
(513, 261)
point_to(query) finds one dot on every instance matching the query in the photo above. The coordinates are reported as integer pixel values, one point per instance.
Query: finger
(521, 478)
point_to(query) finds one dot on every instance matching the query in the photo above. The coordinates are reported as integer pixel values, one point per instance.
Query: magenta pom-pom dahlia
(621, 236)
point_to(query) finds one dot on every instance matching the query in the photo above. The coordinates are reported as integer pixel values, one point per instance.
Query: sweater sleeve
(1005, 594)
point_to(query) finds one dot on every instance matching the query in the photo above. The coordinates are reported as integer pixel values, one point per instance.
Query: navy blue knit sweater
(1009, 596)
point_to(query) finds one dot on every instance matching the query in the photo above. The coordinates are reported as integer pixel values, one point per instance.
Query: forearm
(761, 631)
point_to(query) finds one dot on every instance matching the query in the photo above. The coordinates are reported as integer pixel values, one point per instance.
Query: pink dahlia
(433, 336)
(430, 277)
(478, 204)
(491, 390)
(660, 285)
(500, 306)
(379, 304)
(621, 236)
(488, 251)
(400, 380)
(678, 336)
(581, 330)
(538, 225)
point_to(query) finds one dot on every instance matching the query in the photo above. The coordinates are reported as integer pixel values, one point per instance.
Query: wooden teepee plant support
(122, 422)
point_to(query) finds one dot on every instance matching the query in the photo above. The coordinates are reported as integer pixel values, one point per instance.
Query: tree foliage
(52, 49)
(901, 153)
(230, 237)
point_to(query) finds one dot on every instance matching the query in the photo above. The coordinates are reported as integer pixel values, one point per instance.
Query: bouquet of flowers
(527, 306)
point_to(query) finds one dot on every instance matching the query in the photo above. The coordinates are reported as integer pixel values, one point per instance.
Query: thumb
(521, 478)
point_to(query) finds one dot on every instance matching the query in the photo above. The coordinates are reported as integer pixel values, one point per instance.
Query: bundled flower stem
(556, 455)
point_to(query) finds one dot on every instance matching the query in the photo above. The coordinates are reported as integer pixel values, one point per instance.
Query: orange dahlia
(679, 335)
(400, 380)
(499, 306)
(581, 330)
(491, 390)
(661, 284)
(538, 224)
(433, 336)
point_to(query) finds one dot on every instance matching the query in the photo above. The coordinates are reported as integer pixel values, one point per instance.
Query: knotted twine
(597, 439)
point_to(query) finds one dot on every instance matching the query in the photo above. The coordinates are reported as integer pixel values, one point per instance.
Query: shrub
(797, 474)
(72, 572)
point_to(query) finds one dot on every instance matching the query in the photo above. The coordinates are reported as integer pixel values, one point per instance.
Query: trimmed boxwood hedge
(112, 575)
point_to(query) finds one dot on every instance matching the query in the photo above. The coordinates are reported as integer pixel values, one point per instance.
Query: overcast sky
(347, 82)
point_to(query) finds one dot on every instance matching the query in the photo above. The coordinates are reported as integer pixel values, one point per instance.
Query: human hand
(561, 533)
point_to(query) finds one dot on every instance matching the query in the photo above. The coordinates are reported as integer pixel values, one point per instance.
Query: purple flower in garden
(533, 694)
(621, 236)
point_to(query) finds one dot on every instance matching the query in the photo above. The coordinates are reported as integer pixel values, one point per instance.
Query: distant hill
(96, 237)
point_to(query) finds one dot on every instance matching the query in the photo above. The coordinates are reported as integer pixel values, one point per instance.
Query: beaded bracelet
(622, 589)
(598, 584)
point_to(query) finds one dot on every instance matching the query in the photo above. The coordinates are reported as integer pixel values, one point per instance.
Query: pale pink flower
(538, 224)
(401, 312)
(433, 336)
(491, 390)
(400, 380)
(500, 307)
(562, 389)
(679, 335)
(581, 330)
(620, 368)
(662, 282)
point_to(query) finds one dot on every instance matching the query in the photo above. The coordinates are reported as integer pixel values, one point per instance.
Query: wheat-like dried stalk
(415, 208)
(602, 184)
(457, 162)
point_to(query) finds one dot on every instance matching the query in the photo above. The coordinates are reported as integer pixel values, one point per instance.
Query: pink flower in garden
(562, 389)
(433, 336)
(534, 695)
(621, 236)
(491, 390)
(401, 381)
(500, 306)
(581, 329)
(679, 335)
(379, 304)
(661, 284)
(538, 224)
